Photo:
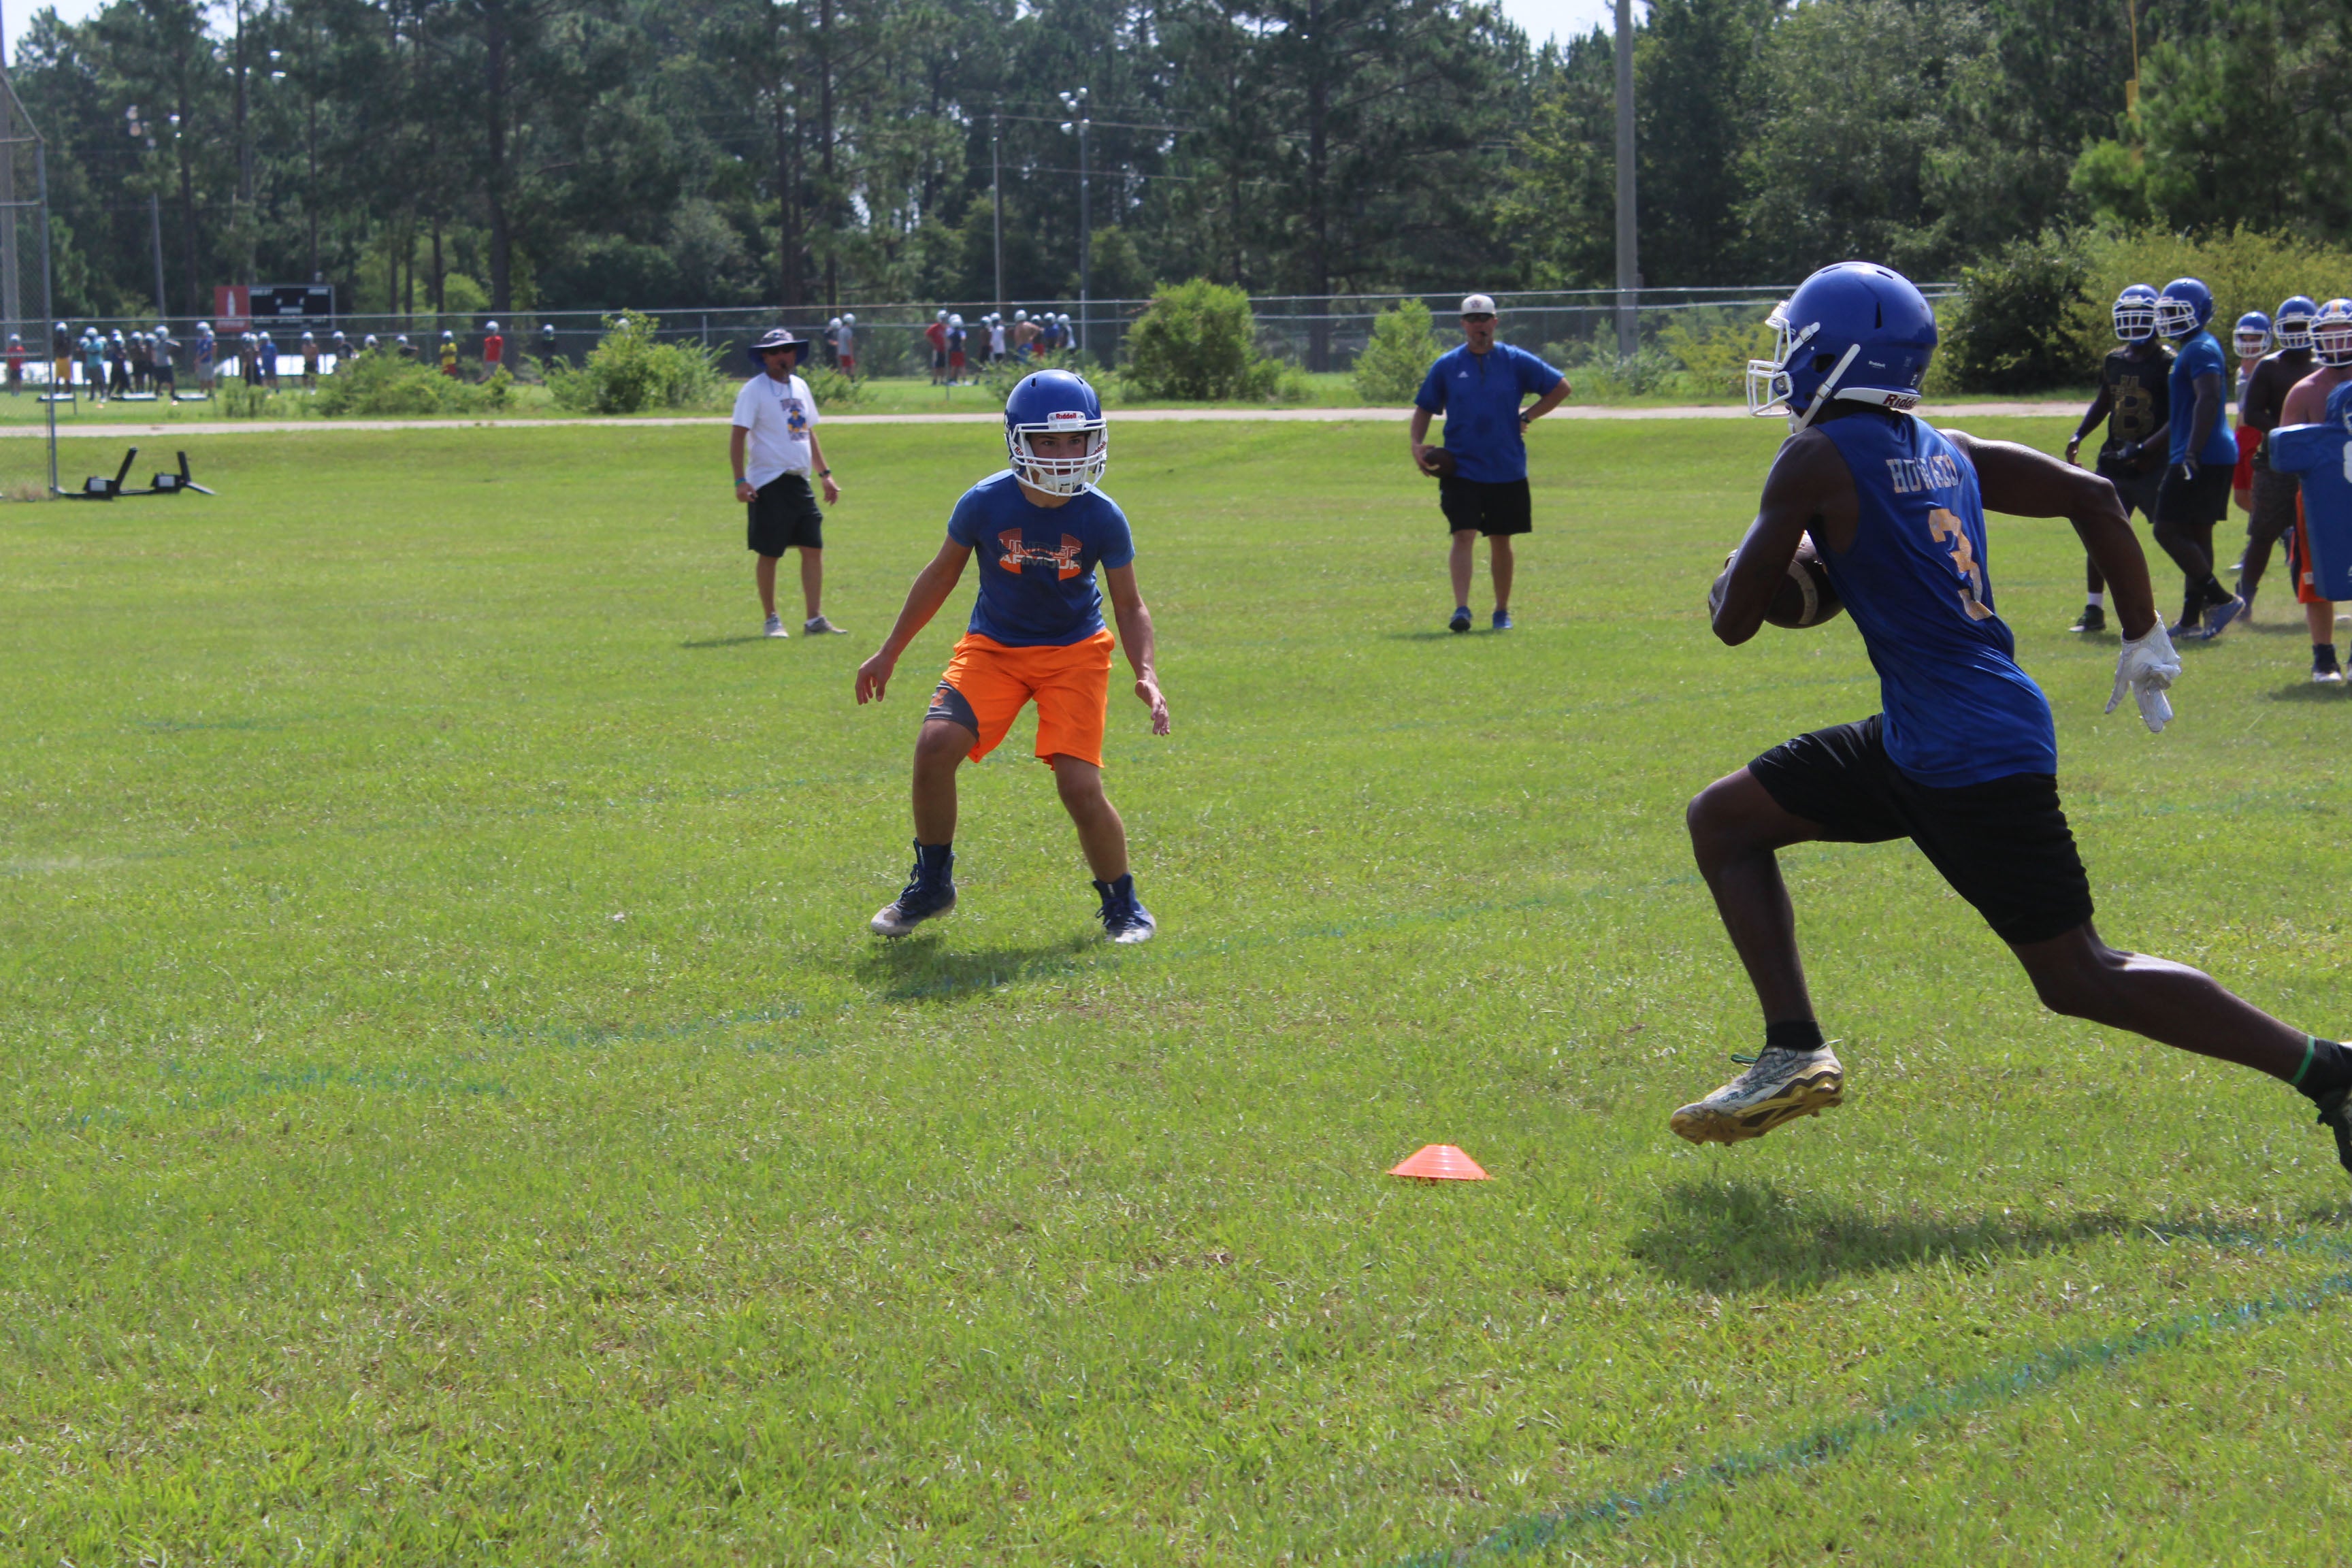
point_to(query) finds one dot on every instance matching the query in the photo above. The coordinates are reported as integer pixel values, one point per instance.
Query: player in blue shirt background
(1478, 387)
(2203, 462)
(1041, 530)
(1963, 759)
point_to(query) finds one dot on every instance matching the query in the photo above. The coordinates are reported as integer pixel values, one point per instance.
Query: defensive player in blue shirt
(1478, 387)
(2202, 461)
(1963, 759)
(1041, 530)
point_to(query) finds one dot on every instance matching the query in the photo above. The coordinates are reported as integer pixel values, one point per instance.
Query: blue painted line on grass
(1535, 1531)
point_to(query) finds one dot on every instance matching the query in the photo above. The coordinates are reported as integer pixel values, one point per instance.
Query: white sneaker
(817, 626)
(1783, 1086)
(2328, 676)
(775, 627)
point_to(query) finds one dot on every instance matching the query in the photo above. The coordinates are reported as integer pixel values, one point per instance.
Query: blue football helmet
(1056, 401)
(2331, 334)
(1854, 332)
(2252, 336)
(2184, 307)
(2135, 313)
(2292, 329)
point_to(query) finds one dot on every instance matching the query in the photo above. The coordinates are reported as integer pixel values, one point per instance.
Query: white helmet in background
(849, 318)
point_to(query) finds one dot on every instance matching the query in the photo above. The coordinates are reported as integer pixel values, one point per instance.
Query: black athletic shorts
(2003, 845)
(785, 514)
(1489, 508)
(2137, 491)
(2198, 502)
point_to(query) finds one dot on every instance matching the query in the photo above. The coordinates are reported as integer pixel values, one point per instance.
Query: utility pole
(996, 194)
(143, 130)
(11, 289)
(1076, 103)
(1629, 262)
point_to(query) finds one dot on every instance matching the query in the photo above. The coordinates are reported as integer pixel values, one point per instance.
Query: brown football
(1438, 464)
(1804, 598)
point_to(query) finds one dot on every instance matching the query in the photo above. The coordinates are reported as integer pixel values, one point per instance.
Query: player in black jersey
(2135, 403)
(2273, 513)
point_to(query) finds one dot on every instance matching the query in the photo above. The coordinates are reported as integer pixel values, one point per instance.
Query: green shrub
(1000, 376)
(2013, 328)
(1197, 342)
(1597, 375)
(240, 399)
(832, 389)
(382, 384)
(630, 370)
(1714, 345)
(1391, 369)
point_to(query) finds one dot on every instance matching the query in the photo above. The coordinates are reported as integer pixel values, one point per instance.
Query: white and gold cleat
(1782, 1085)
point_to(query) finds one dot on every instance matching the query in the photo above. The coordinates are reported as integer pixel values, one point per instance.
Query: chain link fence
(1316, 332)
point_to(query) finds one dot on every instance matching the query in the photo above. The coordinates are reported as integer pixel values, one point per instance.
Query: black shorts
(785, 514)
(1489, 508)
(2003, 845)
(2137, 491)
(2195, 503)
(938, 359)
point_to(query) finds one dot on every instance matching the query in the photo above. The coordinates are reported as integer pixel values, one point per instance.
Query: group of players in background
(1025, 337)
(101, 365)
(2171, 457)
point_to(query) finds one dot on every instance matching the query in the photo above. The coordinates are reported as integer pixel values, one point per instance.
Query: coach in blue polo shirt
(1482, 469)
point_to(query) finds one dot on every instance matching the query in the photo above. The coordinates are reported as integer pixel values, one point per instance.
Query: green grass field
(454, 1112)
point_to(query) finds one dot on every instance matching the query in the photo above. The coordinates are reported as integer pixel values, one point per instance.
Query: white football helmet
(2331, 334)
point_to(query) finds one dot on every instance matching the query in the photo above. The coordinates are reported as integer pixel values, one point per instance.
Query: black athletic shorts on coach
(784, 514)
(1490, 510)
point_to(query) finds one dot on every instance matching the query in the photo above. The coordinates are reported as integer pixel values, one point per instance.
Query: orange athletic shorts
(987, 683)
(2298, 560)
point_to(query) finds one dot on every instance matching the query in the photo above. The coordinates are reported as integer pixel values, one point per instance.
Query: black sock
(2326, 1067)
(2323, 656)
(934, 861)
(2215, 594)
(1798, 1035)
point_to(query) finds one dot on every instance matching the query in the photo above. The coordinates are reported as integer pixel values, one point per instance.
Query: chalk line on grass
(1931, 1404)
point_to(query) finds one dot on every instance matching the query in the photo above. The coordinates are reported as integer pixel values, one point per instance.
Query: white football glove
(2147, 668)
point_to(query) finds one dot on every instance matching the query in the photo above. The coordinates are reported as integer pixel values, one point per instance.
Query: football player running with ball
(1963, 761)
(1036, 633)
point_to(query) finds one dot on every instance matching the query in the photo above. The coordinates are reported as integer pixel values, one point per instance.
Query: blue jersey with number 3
(1960, 710)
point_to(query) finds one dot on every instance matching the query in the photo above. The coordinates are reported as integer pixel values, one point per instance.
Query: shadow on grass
(1731, 1238)
(922, 968)
(2309, 691)
(726, 642)
(1440, 634)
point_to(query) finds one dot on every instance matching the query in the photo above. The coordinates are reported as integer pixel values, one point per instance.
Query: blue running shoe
(924, 897)
(1461, 621)
(1502, 620)
(1124, 918)
(2220, 616)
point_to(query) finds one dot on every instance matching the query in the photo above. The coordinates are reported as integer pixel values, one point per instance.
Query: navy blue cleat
(1461, 621)
(925, 897)
(1124, 918)
(1502, 620)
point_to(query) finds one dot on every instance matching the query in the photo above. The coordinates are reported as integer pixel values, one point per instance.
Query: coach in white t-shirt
(775, 419)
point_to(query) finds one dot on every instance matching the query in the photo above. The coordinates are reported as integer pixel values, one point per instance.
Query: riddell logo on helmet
(1065, 416)
(1018, 554)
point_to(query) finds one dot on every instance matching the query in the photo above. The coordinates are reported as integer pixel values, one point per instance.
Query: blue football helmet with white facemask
(2331, 334)
(2291, 326)
(1055, 403)
(1854, 332)
(2252, 336)
(2184, 308)
(2135, 313)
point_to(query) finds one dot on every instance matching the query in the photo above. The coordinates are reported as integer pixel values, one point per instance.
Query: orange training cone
(1440, 1163)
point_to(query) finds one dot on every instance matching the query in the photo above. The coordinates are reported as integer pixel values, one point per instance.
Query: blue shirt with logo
(1959, 710)
(1479, 396)
(2201, 354)
(1038, 563)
